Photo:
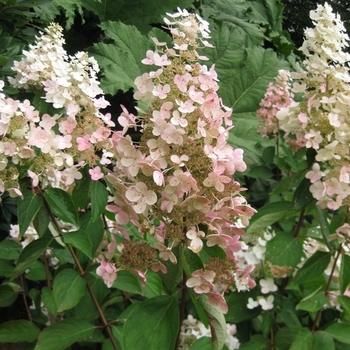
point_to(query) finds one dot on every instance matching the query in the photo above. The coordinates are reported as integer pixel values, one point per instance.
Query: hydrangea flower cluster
(322, 116)
(180, 174)
(277, 97)
(52, 146)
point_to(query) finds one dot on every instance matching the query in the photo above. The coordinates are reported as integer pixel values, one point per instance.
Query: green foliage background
(251, 45)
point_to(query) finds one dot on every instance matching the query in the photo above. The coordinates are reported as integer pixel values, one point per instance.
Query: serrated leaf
(80, 240)
(62, 205)
(268, 215)
(117, 74)
(154, 286)
(130, 40)
(313, 267)
(138, 12)
(99, 198)
(284, 250)
(62, 334)
(27, 209)
(30, 254)
(339, 332)
(68, 289)
(344, 275)
(18, 331)
(152, 324)
(243, 87)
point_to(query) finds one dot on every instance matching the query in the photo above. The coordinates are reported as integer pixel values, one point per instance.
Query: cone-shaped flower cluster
(321, 118)
(51, 147)
(180, 173)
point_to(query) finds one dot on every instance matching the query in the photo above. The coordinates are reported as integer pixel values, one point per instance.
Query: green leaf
(268, 215)
(339, 332)
(130, 40)
(27, 209)
(79, 239)
(62, 205)
(313, 302)
(154, 286)
(6, 268)
(257, 342)
(30, 254)
(322, 341)
(138, 12)
(152, 324)
(284, 250)
(117, 74)
(10, 249)
(99, 198)
(243, 87)
(128, 282)
(237, 307)
(302, 340)
(62, 334)
(7, 295)
(48, 299)
(68, 289)
(312, 268)
(41, 221)
(217, 324)
(18, 331)
(203, 343)
(37, 272)
(344, 302)
(289, 182)
(344, 275)
(302, 196)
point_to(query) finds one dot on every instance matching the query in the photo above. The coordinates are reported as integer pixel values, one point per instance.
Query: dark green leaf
(268, 214)
(152, 324)
(237, 307)
(302, 340)
(322, 341)
(203, 343)
(344, 276)
(62, 334)
(153, 286)
(313, 302)
(339, 332)
(27, 210)
(313, 267)
(284, 250)
(99, 198)
(257, 342)
(10, 249)
(68, 289)
(62, 205)
(128, 282)
(7, 296)
(41, 221)
(302, 196)
(48, 299)
(18, 331)
(36, 272)
(30, 254)
(6, 268)
(80, 240)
